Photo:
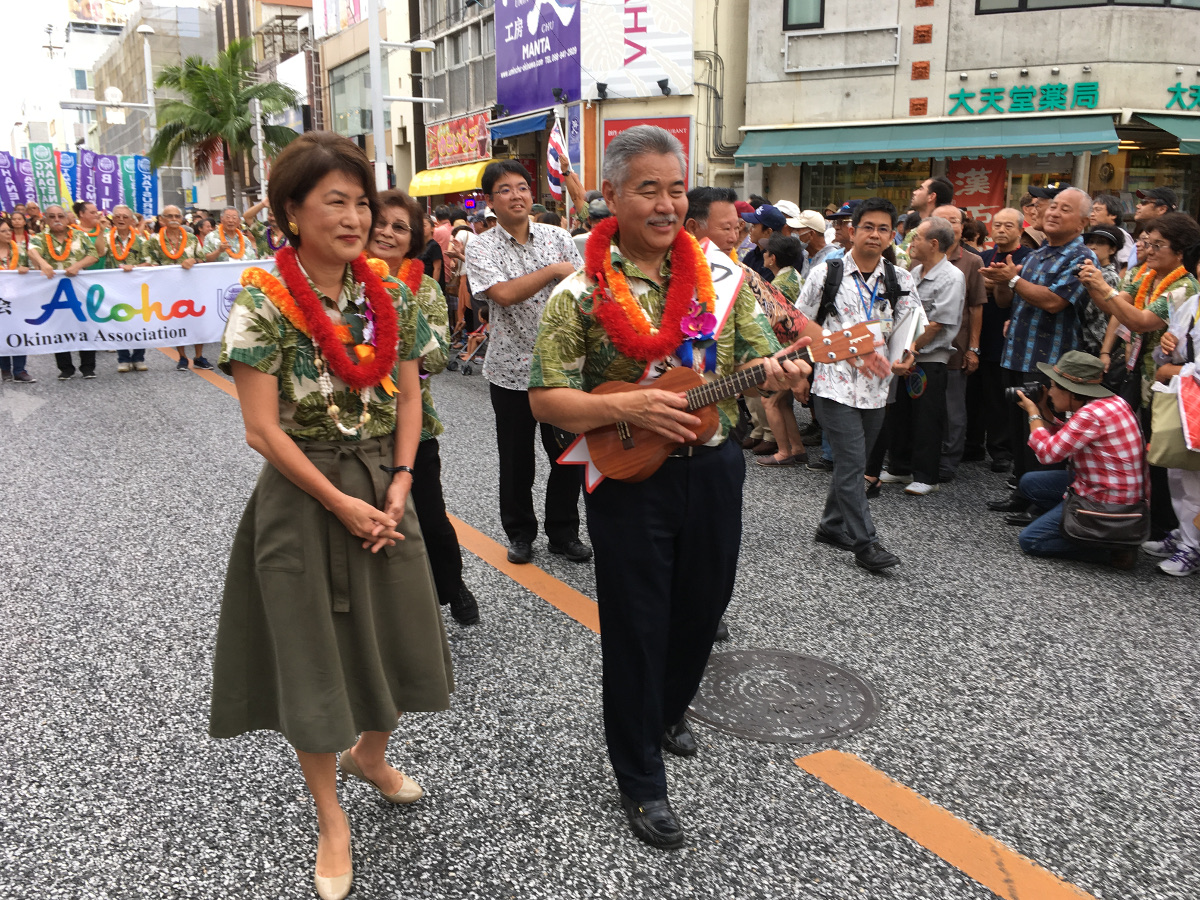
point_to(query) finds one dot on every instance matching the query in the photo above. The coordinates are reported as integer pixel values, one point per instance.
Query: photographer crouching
(1103, 446)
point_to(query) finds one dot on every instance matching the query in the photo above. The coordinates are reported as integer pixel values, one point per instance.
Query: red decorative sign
(458, 141)
(979, 186)
(680, 126)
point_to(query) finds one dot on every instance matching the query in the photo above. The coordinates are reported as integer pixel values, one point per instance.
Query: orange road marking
(211, 377)
(996, 866)
(579, 607)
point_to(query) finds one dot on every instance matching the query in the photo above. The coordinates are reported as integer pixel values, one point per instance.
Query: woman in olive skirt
(329, 621)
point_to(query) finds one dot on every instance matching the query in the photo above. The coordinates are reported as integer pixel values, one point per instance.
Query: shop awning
(506, 128)
(1186, 128)
(968, 138)
(450, 180)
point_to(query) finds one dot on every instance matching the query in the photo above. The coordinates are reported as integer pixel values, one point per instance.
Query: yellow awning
(450, 180)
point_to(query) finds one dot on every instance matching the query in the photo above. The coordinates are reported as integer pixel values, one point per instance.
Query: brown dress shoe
(765, 448)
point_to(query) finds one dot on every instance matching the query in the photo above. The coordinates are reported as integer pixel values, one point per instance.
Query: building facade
(863, 97)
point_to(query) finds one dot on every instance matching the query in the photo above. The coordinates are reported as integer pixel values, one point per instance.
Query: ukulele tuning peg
(847, 333)
(832, 355)
(827, 342)
(854, 351)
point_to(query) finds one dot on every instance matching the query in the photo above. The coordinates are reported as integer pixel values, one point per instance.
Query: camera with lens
(1033, 390)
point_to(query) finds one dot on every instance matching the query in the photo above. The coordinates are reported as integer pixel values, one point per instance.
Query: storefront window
(350, 97)
(1129, 171)
(895, 181)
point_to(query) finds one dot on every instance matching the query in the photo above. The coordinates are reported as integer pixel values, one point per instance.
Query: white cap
(791, 212)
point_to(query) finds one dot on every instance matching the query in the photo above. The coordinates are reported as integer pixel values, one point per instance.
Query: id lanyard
(868, 302)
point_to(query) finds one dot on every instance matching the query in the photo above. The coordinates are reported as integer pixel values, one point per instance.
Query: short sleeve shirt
(843, 382)
(942, 290)
(787, 282)
(240, 241)
(494, 257)
(971, 266)
(573, 350)
(22, 257)
(1035, 335)
(263, 235)
(259, 335)
(76, 246)
(160, 248)
(135, 253)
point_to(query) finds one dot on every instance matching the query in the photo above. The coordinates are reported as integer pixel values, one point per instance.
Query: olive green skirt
(320, 639)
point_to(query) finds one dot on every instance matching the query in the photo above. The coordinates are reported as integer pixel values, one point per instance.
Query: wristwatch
(974, 350)
(1012, 282)
(392, 470)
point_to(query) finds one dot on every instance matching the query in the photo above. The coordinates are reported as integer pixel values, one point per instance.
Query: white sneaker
(1163, 549)
(888, 478)
(920, 488)
(124, 367)
(1185, 561)
(141, 367)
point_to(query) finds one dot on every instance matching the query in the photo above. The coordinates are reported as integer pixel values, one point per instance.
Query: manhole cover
(782, 698)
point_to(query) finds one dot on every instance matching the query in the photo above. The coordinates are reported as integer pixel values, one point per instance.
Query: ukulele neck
(731, 385)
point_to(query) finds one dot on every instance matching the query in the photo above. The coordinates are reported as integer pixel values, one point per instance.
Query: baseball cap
(1165, 196)
(791, 212)
(598, 209)
(846, 210)
(1109, 233)
(767, 216)
(537, 208)
(1050, 191)
(809, 219)
(488, 214)
(743, 207)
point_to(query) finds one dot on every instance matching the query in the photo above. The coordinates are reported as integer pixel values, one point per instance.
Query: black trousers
(987, 412)
(1018, 424)
(666, 557)
(87, 362)
(441, 541)
(915, 427)
(515, 427)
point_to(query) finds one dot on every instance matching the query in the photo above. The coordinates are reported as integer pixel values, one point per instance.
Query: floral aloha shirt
(81, 246)
(259, 335)
(156, 256)
(573, 350)
(246, 245)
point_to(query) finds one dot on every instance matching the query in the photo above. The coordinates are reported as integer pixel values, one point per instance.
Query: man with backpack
(850, 397)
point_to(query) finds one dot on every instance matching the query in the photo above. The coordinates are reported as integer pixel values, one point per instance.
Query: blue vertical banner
(146, 180)
(575, 136)
(68, 168)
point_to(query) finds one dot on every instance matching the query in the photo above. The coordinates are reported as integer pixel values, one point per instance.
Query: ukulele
(630, 453)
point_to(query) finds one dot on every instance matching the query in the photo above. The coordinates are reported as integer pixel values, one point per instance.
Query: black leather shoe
(1001, 465)
(821, 536)
(1010, 504)
(875, 558)
(575, 551)
(1019, 518)
(464, 608)
(654, 822)
(678, 739)
(722, 632)
(520, 552)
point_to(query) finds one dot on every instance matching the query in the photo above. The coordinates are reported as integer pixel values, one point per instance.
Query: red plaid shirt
(1105, 447)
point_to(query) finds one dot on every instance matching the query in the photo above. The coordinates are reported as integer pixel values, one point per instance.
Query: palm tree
(212, 114)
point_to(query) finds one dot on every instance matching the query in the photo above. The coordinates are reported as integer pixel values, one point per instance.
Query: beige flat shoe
(410, 791)
(334, 888)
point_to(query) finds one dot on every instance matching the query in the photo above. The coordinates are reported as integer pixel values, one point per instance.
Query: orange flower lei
(241, 242)
(1167, 281)
(279, 295)
(50, 248)
(162, 243)
(379, 267)
(128, 245)
(14, 255)
(411, 272)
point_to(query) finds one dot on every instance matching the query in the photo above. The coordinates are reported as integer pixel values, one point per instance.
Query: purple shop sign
(537, 50)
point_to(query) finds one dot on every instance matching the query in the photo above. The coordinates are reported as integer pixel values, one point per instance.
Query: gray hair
(940, 230)
(1085, 208)
(638, 141)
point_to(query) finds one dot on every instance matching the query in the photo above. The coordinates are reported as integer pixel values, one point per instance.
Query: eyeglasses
(400, 228)
(506, 191)
(868, 228)
(1157, 245)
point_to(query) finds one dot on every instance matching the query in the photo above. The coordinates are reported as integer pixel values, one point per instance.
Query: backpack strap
(833, 283)
(891, 284)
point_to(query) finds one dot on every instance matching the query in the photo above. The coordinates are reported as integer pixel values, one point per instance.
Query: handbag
(1167, 445)
(1111, 524)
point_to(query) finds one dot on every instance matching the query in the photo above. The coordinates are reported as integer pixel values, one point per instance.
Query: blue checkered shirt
(1035, 335)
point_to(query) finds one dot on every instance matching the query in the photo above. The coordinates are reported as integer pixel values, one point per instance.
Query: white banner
(154, 306)
(631, 47)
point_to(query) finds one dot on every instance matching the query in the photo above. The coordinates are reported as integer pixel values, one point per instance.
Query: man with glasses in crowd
(1151, 204)
(175, 245)
(60, 248)
(515, 266)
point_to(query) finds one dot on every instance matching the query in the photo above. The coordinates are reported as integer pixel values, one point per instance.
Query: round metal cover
(780, 697)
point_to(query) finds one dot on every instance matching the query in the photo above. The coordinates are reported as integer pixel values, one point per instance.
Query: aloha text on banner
(152, 306)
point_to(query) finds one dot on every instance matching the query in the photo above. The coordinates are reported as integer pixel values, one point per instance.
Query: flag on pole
(556, 152)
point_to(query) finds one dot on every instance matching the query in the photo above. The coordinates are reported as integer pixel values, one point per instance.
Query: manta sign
(537, 50)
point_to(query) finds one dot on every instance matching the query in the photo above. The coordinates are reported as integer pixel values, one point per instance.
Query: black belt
(687, 451)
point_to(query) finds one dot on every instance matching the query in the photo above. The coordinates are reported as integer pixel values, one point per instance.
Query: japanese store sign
(979, 186)
(679, 126)
(458, 141)
(1184, 97)
(631, 45)
(537, 50)
(1025, 98)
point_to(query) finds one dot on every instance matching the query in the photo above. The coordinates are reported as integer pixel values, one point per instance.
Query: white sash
(727, 279)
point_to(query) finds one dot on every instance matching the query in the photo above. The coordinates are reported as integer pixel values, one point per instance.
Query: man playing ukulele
(661, 305)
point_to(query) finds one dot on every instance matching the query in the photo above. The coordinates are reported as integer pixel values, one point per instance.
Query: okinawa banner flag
(25, 180)
(146, 182)
(45, 174)
(156, 306)
(65, 189)
(87, 176)
(68, 168)
(129, 189)
(11, 190)
(108, 182)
